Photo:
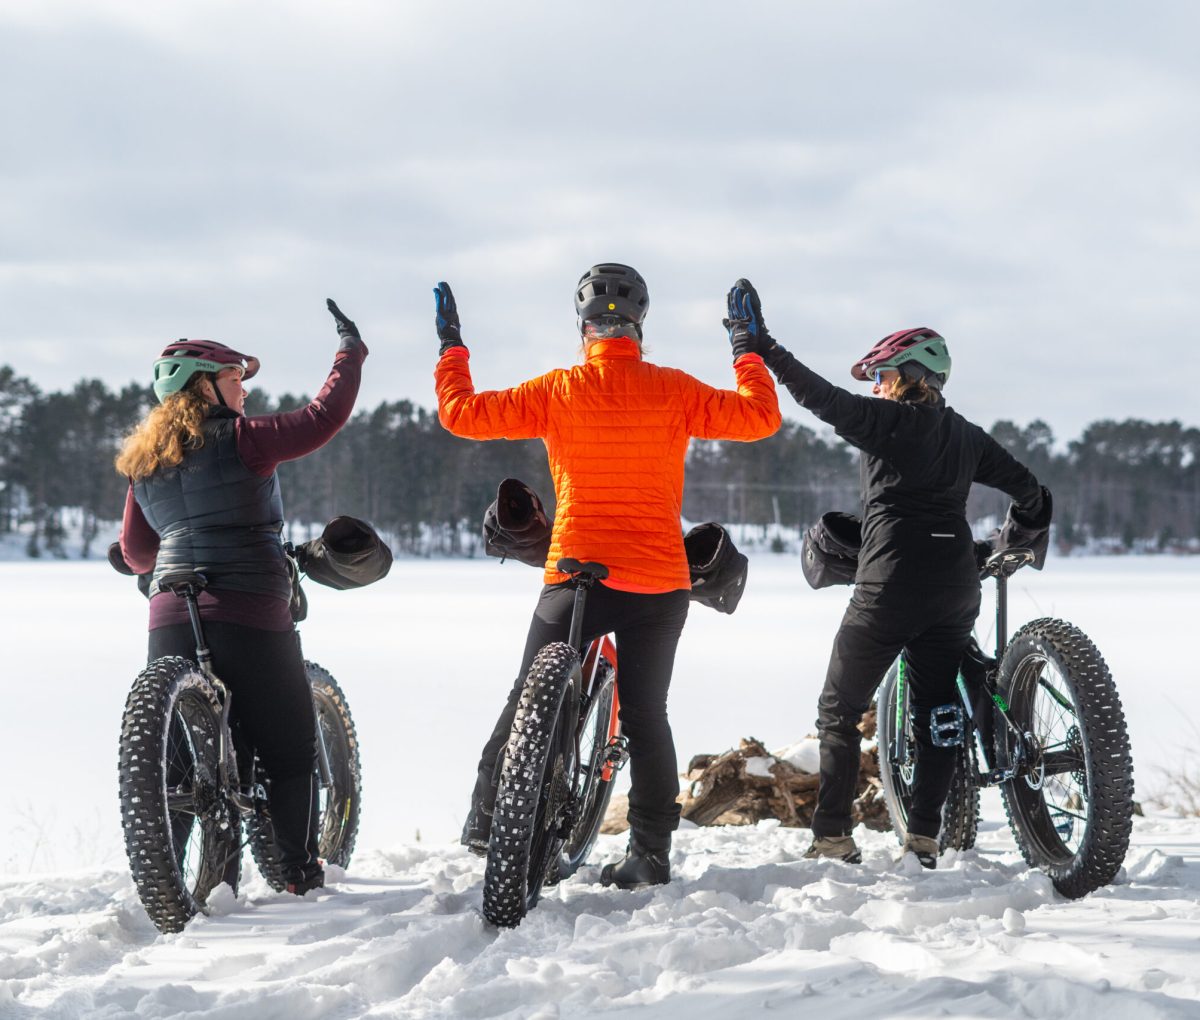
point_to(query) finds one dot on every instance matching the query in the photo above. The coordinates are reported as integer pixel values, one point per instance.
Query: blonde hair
(915, 391)
(165, 434)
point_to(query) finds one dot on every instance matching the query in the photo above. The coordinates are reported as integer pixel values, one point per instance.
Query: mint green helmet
(911, 347)
(181, 360)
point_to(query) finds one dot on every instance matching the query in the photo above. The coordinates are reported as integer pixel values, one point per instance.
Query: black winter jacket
(918, 463)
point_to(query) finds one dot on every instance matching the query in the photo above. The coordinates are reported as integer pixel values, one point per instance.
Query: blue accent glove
(449, 329)
(747, 331)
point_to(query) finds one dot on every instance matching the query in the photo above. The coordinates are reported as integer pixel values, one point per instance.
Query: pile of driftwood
(749, 784)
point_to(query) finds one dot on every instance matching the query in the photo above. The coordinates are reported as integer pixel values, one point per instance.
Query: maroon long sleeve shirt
(263, 443)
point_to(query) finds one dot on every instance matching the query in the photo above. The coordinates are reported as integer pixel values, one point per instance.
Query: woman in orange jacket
(616, 430)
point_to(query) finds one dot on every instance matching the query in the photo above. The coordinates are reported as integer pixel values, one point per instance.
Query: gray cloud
(1021, 176)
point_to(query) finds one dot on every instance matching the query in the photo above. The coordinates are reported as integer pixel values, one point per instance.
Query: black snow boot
(301, 878)
(477, 831)
(647, 862)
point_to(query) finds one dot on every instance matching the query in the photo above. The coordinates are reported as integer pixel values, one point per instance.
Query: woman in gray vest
(204, 495)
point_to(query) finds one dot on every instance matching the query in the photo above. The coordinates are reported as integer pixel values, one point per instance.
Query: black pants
(932, 625)
(647, 629)
(272, 712)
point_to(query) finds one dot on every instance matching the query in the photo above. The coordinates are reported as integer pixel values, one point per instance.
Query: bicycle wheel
(1071, 804)
(534, 789)
(592, 790)
(181, 833)
(339, 797)
(897, 754)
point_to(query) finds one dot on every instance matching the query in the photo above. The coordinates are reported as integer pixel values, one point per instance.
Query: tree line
(1122, 484)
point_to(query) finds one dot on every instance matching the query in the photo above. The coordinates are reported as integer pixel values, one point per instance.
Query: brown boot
(840, 848)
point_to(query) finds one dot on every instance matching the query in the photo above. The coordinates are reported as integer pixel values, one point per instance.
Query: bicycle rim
(191, 790)
(1054, 806)
(591, 791)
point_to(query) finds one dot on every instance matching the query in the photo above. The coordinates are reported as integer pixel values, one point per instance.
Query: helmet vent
(611, 289)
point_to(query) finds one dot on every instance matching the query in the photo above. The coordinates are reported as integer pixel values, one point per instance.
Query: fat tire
(1108, 762)
(510, 886)
(172, 716)
(341, 804)
(960, 813)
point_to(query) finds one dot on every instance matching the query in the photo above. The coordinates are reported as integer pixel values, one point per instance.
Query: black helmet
(611, 289)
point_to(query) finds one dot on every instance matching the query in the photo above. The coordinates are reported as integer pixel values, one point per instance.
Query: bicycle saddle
(181, 581)
(1007, 562)
(570, 566)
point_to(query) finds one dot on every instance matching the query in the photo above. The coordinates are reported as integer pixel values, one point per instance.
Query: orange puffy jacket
(616, 430)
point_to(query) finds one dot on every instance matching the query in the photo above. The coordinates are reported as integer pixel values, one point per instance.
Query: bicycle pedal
(946, 725)
(617, 753)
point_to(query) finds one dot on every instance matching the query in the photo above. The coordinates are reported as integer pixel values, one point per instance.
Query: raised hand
(449, 329)
(346, 328)
(747, 331)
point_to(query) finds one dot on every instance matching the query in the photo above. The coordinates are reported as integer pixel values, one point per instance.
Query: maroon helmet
(182, 359)
(922, 345)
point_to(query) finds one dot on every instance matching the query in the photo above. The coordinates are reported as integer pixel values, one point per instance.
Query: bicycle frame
(600, 649)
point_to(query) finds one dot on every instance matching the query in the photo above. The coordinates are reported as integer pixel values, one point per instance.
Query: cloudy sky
(1024, 177)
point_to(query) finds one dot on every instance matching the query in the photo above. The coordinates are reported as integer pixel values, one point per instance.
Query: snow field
(745, 926)
(427, 656)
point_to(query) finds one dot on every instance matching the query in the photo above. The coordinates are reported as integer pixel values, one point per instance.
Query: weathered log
(748, 784)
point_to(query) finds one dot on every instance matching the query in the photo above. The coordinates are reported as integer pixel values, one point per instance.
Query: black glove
(346, 329)
(747, 331)
(449, 329)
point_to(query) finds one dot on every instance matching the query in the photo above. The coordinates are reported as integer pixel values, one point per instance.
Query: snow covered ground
(746, 927)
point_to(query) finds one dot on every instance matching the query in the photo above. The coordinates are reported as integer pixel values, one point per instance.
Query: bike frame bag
(718, 571)
(516, 525)
(829, 552)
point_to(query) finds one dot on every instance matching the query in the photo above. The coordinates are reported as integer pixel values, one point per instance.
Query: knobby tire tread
(149, 841)
(1106, 750)
(508, 887)
(336, 836)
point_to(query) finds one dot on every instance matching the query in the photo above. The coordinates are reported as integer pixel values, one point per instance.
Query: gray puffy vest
(215, 516)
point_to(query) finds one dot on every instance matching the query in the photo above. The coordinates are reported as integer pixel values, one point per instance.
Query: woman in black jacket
(917, 588)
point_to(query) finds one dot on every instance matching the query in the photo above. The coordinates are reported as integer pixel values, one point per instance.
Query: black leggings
(647, 629)
(272, 711)
(932, 625)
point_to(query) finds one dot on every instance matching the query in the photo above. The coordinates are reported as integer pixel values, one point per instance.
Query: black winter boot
(647, 862)
(302, 877)
(477, 831)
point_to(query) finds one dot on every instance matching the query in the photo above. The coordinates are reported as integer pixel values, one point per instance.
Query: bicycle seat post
(1001, 613)
(203, 655)
(581, 583)
(583, 576)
